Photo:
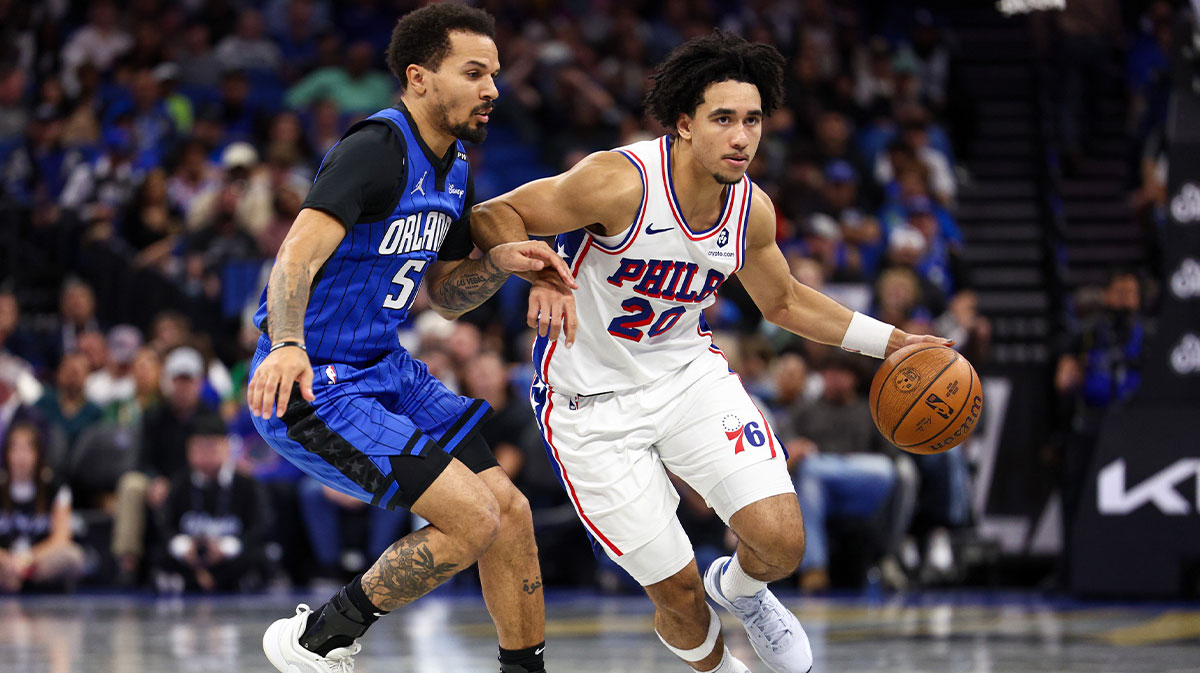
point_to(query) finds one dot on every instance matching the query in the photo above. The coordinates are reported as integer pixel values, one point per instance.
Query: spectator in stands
(324, 511)
(789, 374)
(962, 323)
(65, 407)
(214, 518)
(36, 171)
(297, 39)
(1099, 367)
(14, 113)
(324, 127)
(239, 116)
(115, 383)
(101, 190)
(17, 386)
(76, 315)
(154, 130)
(16, 339)
(914, 136)
(943, 505)
(147, 50)
(94, 347)
(511, 431)
(199, 68)
(840, 200)
(356, 88)
(1090, 31)
(824, 242)
(249, 48)
(146, 372)
(839, 462)
(169, 330)
(152, 225)
(1149, 68)
(162, 453)
(100, 42)
(193, 175)
(874, 79)
(898, 296)
(179, 107)
(928, 47)
(35, 517)
(234, 208)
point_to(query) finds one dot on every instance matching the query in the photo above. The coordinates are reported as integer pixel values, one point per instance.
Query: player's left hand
(900, 339)
(519, 256)
(552, 308)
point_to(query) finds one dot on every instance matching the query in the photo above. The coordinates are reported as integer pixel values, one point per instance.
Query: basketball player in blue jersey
(334, 392)
(652, 230)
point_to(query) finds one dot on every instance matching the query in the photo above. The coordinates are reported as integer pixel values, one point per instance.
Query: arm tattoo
(468, 285)
(287, 300)
(405, 572)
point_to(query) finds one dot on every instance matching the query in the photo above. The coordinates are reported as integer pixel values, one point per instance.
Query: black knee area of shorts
(413, 475)
(475, 453)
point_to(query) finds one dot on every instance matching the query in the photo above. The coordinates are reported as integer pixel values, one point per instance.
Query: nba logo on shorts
(331, 374)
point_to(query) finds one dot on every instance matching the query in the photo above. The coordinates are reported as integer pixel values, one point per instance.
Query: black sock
(528, 660)
(343, 619)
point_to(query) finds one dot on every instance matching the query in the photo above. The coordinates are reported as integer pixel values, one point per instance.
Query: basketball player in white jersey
(651, 231)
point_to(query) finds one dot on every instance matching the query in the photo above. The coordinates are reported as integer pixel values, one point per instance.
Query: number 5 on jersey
(408, 277)
(629, 326)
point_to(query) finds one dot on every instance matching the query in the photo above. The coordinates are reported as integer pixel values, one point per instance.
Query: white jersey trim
(632, 232)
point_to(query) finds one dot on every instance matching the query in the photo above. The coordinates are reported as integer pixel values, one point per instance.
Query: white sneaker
(736, 666)
(282, 645)
(774, 631)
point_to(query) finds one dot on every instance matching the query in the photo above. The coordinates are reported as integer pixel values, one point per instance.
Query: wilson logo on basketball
(906, 380)
(963, 430)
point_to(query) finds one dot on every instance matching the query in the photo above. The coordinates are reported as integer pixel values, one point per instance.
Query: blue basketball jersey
(364, 290)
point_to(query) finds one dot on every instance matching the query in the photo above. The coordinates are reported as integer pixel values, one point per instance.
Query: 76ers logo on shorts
(750, 432)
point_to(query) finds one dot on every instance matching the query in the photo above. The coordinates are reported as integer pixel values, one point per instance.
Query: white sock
(729, 664)
(735, 583)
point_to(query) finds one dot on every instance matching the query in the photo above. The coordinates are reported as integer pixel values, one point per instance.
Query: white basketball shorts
(612, 452)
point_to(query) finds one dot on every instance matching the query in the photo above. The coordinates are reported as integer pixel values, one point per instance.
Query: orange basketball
(926, 398)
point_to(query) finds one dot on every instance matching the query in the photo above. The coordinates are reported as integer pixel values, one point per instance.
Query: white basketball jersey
(642, 293)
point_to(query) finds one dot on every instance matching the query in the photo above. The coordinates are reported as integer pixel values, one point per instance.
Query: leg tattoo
(405, 572)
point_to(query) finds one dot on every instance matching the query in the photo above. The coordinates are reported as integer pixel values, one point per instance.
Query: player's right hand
(272, 382)
(552, 308)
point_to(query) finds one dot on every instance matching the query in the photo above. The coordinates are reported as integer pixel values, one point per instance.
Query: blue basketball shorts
(381, 432)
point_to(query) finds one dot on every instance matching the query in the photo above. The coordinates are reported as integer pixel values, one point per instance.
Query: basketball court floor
(954, 633)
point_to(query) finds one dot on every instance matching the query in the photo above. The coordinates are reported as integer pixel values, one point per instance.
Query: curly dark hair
(680, 81)
(423, 36)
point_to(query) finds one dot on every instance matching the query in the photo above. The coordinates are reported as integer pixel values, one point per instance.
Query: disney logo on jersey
(455, 191)
(666, 279)
(749, 433)
(417, 232)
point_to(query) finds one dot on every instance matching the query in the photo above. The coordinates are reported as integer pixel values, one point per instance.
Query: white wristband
(867, 335)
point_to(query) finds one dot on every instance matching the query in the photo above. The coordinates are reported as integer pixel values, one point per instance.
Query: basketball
(926, 398)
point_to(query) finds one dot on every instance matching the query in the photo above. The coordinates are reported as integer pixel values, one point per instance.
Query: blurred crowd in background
(154, 154)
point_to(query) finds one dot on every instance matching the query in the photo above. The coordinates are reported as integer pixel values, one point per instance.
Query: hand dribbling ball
(926, 398)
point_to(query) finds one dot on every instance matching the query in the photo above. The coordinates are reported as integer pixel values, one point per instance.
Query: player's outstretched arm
(312, 239)
(601, 192)
(800, 309)
(458, 286)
